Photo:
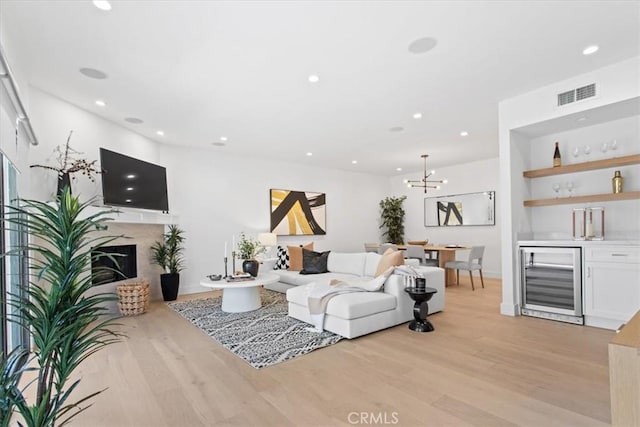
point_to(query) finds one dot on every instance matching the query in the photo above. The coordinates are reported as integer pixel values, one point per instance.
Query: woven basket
(133, 298)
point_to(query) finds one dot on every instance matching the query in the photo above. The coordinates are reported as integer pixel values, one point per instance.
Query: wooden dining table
(446, 253)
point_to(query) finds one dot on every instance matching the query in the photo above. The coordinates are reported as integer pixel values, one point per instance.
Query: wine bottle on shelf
(557, 161)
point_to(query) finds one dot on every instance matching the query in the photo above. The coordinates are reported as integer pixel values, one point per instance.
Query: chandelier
(425, 182)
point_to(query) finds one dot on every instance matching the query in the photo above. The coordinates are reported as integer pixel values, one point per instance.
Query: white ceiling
(200, 70)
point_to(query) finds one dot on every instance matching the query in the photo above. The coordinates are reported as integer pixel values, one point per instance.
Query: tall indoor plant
(65, 324)
(168, 255)
(392, 219)
(248, 249)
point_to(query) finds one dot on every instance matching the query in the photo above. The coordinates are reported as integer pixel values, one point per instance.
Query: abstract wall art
(295, 213)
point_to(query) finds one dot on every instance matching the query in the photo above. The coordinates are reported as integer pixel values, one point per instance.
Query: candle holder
(225, 268)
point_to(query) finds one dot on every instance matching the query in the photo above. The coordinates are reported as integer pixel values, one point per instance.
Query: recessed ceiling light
(398, 169)
(93, 73)
(464, 133)
(355, 162)
(161, 133)
(417, 116)
(422, 45)
(309, 154)
(313, 78)
(102, 4)
(100, 102)
(133, 120)
(590, 49)
(223, 138)
(218, 144)
(396, 129)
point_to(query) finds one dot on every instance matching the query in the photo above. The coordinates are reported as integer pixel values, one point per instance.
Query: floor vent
(578, 94)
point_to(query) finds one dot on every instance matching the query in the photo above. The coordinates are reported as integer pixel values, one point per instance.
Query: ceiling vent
(578, 94)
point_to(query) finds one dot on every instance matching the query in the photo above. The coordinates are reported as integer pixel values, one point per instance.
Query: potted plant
(247, 250)
(392, 216)
(168, 255)
(68, 164)
(65, 323)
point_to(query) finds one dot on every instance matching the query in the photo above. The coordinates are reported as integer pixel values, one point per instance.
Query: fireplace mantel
(135, 216)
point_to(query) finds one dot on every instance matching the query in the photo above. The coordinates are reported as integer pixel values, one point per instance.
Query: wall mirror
(460, 209)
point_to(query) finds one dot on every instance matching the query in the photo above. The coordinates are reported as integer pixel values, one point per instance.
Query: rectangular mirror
(460, 209)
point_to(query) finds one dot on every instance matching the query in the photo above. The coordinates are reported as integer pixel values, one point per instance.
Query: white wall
(219, 196)
(464, 178)
(214, 195)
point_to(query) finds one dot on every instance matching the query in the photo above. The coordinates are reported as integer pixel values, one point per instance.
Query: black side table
(421, 296)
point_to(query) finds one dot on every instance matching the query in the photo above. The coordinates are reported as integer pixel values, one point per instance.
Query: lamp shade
(268, 239)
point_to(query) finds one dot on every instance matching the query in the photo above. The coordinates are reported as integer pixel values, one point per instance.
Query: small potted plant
(247, 250)
(70, 163)
(168, 255)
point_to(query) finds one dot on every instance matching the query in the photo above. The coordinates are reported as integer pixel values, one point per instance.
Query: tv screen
(133, 183)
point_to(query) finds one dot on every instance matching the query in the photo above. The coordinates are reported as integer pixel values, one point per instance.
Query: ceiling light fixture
(396, 129)
(134, 120)
(161, 133)
(93, 73)
(590, 49)
(464, 133)
(218, 144)
(422, 45)
(224, 138)
(309, 154)
(314, 78)
(102, 4)
(355, 162)
(399, 169)
(425, 182)
(100, 102)
(417, 116)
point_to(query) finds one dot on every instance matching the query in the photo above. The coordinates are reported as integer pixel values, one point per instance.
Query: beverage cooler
(551, 283)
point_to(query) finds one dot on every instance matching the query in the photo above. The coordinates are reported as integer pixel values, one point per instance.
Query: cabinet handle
(588, 271)
(619, 254)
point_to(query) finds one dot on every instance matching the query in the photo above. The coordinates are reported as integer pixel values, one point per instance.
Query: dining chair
(383, 247)
(474, 263)
(415, 252)
(371, 247)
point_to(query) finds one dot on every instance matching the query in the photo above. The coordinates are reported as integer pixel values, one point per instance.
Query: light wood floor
(477, 369)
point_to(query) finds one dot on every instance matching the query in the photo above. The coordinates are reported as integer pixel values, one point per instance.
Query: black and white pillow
(283, 259)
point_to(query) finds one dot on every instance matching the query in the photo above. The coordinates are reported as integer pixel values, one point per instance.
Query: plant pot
(64, 180)
(251, 266)
(170, 282)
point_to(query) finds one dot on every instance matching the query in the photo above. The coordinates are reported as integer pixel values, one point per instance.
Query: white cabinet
(611, 285)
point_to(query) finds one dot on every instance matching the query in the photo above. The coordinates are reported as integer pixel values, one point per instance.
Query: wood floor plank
(477, 368)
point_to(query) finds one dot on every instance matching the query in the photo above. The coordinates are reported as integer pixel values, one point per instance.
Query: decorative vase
(170, 283)
(64, 180)
(617, 182)
(250, 266)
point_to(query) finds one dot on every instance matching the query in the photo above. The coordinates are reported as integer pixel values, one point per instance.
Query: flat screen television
(133, 183)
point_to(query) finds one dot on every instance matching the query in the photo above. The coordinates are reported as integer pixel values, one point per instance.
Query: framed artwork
(297, 213)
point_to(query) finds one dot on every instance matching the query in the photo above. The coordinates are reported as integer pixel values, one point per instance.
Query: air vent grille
(578, 94)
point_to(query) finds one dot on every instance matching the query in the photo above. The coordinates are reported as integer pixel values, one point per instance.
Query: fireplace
(122, 266)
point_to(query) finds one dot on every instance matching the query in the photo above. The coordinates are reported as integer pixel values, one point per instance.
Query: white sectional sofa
(354, 314)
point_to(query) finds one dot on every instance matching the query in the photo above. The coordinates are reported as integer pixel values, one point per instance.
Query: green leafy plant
(248, 248)
(65, 324)
(168, 253)
(392, 218)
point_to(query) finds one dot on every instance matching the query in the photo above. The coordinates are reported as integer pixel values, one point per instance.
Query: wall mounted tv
(133, 183)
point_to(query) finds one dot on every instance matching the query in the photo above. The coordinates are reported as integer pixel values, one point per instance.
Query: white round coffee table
(238, 297)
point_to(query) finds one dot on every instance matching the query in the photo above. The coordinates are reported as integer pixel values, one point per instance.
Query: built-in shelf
(586, 166)
(609, 197)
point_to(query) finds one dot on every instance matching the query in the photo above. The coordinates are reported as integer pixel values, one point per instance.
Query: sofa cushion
(297, 279)
(347, 306)
(371, 263)
(350, 263)
(388, 259)
(282, 262)
(295, 256)
(314, 262)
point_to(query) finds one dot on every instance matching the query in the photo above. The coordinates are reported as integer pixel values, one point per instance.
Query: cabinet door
(612, 290)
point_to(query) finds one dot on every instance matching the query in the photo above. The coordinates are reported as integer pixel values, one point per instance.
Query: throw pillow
(282, 263)
(390, 258)
(314, 262)
(295, 256)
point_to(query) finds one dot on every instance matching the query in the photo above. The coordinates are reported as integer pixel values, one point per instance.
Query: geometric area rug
(261, 337)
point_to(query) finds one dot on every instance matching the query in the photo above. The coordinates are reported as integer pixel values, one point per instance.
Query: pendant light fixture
(425, 182)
